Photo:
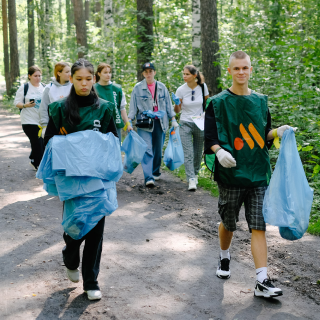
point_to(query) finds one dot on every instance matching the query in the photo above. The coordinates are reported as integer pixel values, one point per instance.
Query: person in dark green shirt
(112, 92)
(82, 110)
(238, 130)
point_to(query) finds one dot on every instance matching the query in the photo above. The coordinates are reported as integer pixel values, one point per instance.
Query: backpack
(25, 90)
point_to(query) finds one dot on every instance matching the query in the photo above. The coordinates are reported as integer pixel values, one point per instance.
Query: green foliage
(284, 45)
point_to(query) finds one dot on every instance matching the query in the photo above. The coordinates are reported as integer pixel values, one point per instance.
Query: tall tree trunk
(6, 46)
(41, 35)
(70, 16)
(98, 13)
(14, 54)
(31, 44)
(87, 10)
(47, 47)
(145, 43)
(196, 34)
(210, 45)
(108, 33)
(80, 28)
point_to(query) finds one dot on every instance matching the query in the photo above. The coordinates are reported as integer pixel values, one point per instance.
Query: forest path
(159, 257)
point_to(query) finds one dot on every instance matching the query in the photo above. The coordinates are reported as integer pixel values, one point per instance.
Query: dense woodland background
(281, 36)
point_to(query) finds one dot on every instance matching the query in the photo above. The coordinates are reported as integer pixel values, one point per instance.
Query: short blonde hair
(239, 55)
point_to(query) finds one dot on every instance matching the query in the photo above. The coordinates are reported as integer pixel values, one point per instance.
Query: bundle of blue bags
(173, 156)
(82, 169)
(288, 199)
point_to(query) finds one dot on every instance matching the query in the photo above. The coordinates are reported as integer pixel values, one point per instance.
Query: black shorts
(231, 200)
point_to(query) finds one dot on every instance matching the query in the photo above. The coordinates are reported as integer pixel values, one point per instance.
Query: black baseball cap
(148, 65)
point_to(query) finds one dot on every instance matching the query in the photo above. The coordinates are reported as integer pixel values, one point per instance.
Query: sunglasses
(192, 95)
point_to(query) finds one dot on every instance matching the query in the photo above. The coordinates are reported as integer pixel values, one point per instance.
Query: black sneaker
(266, 289)
(223, 270)
(35, 168)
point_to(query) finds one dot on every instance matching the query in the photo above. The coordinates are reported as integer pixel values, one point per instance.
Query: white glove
(282, 129)
(43, 132)
(175, 124)
(226, 159)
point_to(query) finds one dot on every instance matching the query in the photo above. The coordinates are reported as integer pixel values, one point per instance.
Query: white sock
(224, 254)
(261, 274)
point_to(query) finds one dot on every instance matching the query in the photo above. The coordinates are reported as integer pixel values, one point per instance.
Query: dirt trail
(159, 257)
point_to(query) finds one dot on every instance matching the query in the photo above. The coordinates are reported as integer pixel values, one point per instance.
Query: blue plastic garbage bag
(81, 168)
(51, 189)
(173, 155)
(72, 187)
(153, 114)
(288, 199)
(45, 168)
(105, 164)
(134, 148)
(81, 214)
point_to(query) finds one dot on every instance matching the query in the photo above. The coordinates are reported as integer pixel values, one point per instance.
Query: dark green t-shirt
(112, 93)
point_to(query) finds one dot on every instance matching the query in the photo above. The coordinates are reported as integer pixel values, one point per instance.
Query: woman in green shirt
(112, 92)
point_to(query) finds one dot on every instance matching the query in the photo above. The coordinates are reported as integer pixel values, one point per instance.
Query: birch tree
(107, 28)
(196, 34)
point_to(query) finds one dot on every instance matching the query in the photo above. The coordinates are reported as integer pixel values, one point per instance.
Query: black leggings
(91, 255)
(37, 146)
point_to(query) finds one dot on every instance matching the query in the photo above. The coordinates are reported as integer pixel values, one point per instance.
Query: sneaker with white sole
(156, 178)
(150, 183)
(223, 270)
(196, 180)
(94, 294)
(35, 168)
(266, 289)
(192, 184)
(73, 275)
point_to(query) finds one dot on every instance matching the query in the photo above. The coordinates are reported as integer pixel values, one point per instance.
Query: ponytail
(193, 70)
(71, 106)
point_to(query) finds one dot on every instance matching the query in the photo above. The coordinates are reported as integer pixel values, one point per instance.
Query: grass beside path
(207, 184)
(204, 180)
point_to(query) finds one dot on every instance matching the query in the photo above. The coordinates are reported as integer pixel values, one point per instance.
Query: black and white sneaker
(223, 270)
(35, 168)
(266, 289)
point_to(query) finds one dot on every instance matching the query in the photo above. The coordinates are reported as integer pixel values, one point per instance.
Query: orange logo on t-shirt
(238, 142)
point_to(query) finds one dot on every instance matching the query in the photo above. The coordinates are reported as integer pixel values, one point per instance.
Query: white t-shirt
(191, 108)
(30, 115)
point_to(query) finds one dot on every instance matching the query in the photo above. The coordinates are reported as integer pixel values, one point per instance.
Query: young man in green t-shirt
(238, 130)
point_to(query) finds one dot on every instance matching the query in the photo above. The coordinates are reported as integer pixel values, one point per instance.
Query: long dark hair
(193, 70)
(71, 106)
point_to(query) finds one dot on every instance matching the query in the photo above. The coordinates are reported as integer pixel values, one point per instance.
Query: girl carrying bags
(109, 91)
(82, 110)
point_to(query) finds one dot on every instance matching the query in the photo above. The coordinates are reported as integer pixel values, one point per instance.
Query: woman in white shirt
(58, 88)
(192, 95)
(29, 104)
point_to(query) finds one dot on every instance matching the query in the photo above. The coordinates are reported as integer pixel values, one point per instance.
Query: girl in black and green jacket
(82, 110)
(112, 92)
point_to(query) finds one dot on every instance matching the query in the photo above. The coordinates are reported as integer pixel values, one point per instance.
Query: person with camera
(28, 100)
(151, 96)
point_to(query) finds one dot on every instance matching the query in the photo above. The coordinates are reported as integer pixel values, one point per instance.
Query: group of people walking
(78, 98)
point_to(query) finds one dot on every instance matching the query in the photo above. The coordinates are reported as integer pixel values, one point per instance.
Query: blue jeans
(151, 161)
